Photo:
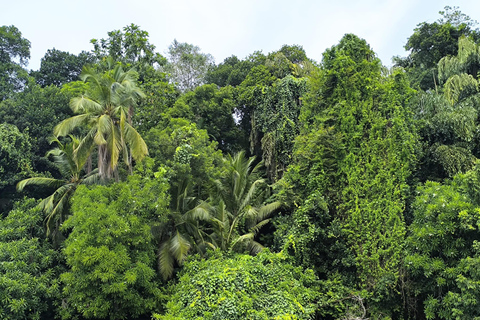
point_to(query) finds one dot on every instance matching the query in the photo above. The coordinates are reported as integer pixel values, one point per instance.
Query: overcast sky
(223, 27)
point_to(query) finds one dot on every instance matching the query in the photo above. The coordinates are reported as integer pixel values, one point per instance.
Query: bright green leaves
(352, 161)
(442, 248)
(243, 287)
(15, 155)
(110, 250)
(29, 286)
(104, 109)
(13, 48)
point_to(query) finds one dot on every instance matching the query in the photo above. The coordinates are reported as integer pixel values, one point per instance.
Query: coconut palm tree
(56, 206)
(180, 231)
(105, 109)
(237, 212)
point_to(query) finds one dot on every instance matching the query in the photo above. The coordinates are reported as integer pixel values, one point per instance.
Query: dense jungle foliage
(140, 186)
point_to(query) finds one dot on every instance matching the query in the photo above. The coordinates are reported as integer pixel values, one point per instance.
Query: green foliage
(106, 110)
(15, 155)
(448, 122)
(211, 109)
(13, 48)
(60, 67)
(57, 205)
(239, 210)
(276, 123)
(131, 47)
(442, 248)
(110, 250)
(29, 269)
(243, 287)
(348, 181)
(231, 72)
(37, 110)
(188, 152)
(431, 42)
(159, 97)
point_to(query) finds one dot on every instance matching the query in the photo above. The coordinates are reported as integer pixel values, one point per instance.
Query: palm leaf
(68, 125)
(135, 141)
(40, 181)
(179, 247)
(85, 105)
(165, 260)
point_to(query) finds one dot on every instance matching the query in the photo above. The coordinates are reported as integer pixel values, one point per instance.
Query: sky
(226, 27)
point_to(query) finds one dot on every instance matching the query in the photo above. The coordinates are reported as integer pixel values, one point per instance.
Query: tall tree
(187, 65)
(29, 267)
(129, 46)
(448, 119)
(105, 110)
(443, 249)
(38, 110)
(15, 161)
(430, 42)
(13, 48)
(60, 67)
(239, 212)
(352, 163)
(57, 205)
(110, 251)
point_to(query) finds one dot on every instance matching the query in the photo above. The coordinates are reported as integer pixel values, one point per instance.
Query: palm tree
(237, 213)
(104, 109)
(180, 231)
(56, 206)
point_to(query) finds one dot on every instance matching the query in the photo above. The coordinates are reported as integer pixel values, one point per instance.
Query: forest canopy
(139, 186)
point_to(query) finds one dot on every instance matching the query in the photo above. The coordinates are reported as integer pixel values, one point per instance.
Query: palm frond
(40, 181)
(256, 229)
(179, 247)
(92, 178)
(165, 260)
(255, 247)
(243, 239)
(84, 148)
(266, 211)
(136, 143)
(86, 105)
(200, 212)
(68, 125)
(251, 192)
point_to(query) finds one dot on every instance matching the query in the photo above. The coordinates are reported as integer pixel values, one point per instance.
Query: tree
(275, 123)
(348, 182)
(231, 72)
(13, 48)
(57, 206)
(430, 42)
(447, 121)
(188, 153)
(460, 72)
(110, 250)
(15, 160)
(187, 65)
(60, 67)
(29, 267)
(211, 109)
(37, 110)
(105, 108)
(238, 212)
(243, 287)
(442, 249)
(180, 231)
(130, 46)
